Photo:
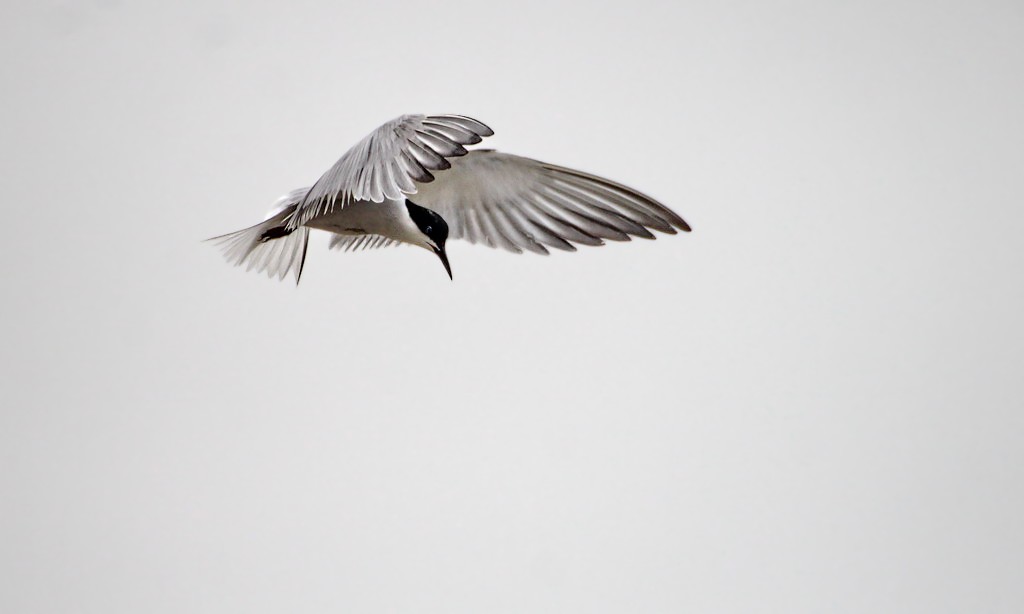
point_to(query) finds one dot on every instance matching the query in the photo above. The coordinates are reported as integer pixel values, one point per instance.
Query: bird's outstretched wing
(519, 204)
(391, 161)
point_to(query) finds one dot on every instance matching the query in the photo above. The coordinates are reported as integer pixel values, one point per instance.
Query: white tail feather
(274, 256)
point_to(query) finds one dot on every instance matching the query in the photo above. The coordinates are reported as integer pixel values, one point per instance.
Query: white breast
(388, 219)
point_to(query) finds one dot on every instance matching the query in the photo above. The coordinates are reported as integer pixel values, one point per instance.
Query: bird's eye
(428, 230)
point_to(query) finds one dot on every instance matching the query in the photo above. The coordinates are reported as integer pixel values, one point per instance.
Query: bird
(413, 181)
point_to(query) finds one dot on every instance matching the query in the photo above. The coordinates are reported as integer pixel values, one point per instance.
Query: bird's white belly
(388, 219)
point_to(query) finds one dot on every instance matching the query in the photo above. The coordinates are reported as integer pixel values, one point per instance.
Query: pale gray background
(810, 404)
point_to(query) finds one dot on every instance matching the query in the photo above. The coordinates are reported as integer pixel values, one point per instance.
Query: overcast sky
(812, 403)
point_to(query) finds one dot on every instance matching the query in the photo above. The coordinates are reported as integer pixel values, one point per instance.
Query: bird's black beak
(443, 255)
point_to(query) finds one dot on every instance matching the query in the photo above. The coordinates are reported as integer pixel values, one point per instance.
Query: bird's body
(413, 182)
(388, 218)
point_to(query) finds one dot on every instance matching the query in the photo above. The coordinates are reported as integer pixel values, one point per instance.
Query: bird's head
(433, 232)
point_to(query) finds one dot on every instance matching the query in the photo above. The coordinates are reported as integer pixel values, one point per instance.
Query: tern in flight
(412, 181)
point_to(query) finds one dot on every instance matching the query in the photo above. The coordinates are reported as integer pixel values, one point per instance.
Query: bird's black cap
(434, 226)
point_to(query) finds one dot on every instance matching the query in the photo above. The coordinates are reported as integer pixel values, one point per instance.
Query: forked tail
(270, 246)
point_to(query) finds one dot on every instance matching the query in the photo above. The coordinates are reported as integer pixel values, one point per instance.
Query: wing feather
(452, 132)
(610, 200)
(414, 169)
(519, 234)
(519, 204)
(540, 231)
(440, 144)
(461, 121)
(357, 242)
(390, 162)
(493, 228)
(558, 226)
(564, 210)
